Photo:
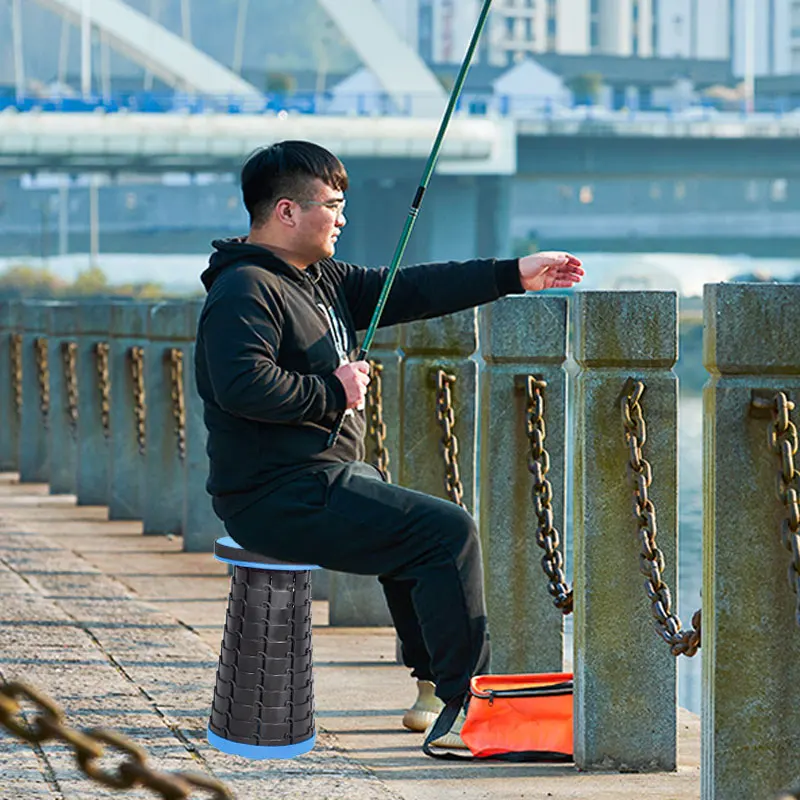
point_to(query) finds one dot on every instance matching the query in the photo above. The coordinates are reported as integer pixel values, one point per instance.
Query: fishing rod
(417, 202)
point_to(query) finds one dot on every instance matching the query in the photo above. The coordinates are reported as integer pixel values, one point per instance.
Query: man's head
(294, 193)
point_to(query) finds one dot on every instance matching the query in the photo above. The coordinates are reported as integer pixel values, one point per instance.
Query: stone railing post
(357, 600)
(201, 526)
(751, 614)
(625, 675)
(446, 343)
(9, 411)
(94, 403)
(171, 333)
(129, 324)
(520, 336)
(34, 446)
(63, 360)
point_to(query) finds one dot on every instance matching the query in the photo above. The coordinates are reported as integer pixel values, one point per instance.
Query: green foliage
(90, 281)
(23, 280)
(26, 281)
(586, 87)
(281, 82)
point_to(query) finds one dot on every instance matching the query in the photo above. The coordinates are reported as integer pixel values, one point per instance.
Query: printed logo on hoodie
(338, 332)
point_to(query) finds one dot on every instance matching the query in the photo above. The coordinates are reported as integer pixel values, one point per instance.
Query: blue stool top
(226, 550)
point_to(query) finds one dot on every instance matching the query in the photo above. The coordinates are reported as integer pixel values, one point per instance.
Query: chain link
(88, 746)
(542, 496)
(136, 356)
(69, 355)
(15, 351)
(101, 350)
(43, 375)
(446, 417)
(376, 427)
(175, 355)
(782, 438)
(651, 560)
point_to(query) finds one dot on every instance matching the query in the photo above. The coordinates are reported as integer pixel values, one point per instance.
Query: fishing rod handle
(337, 428)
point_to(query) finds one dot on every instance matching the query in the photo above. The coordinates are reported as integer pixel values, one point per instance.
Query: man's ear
(285, 212)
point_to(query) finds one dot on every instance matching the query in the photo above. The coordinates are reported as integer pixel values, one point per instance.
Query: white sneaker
(425, 710)
(452, 739)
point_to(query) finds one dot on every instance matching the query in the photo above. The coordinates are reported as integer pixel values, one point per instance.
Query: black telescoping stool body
(264, 695)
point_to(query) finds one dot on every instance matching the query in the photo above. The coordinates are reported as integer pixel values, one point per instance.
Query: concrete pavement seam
(188, 746)
(41, 754)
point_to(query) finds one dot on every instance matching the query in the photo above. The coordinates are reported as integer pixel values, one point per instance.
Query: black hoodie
(269, 339)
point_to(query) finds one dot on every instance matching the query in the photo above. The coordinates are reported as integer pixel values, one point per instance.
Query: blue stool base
(260, 752)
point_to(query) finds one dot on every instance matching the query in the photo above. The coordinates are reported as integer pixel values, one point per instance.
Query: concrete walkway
(123, 632)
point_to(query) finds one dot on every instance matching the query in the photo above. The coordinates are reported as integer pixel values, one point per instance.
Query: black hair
(285, 169)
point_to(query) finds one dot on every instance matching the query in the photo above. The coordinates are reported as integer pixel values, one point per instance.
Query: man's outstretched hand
(549, 270)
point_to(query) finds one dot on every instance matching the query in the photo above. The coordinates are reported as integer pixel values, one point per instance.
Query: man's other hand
(354, 376)
(549, 270)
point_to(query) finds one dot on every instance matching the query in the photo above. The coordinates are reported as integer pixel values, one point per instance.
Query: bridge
(549, 175)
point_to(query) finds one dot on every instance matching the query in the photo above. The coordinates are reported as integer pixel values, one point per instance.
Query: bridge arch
(172, 59)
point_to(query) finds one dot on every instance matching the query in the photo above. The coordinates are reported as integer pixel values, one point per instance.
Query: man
(273, 366)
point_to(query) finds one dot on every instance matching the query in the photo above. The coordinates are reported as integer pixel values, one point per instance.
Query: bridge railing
(337, 103)
(473, 408)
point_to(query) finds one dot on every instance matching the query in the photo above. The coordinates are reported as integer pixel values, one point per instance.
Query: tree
(586, 88)
(281, 82)
(90, 281)
(23, 280)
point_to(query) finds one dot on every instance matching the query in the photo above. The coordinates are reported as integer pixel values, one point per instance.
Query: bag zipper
(556, 689)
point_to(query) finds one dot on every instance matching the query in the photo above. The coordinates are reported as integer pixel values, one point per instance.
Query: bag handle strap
(447, 716)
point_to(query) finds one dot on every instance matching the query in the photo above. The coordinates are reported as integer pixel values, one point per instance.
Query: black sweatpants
(424, 550)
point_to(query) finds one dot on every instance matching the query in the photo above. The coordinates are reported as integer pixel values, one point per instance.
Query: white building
(761, 37)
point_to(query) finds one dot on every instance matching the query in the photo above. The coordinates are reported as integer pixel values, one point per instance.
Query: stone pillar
(10, 411)
(751, 638)
(171, 328)
(625, 675)
(520, 336)
(447, 343)
(129, 324)
(63, 359)
(34, 451)
(94, 404)
(357, 600)
(201, 526)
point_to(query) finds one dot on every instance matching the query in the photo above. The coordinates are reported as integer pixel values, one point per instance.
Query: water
(690, 537)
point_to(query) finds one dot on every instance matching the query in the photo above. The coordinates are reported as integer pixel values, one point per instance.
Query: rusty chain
(782, 438)
(175, 356)
(376, 427)
(43, 376)
(101, 350)
(445, 414)
(542, 496)
(651, 560)
(69, 355)
(88, 747)
(16, 371)
(136, 356)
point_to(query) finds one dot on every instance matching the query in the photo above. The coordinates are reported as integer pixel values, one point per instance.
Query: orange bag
(513, 718)
(522, 717)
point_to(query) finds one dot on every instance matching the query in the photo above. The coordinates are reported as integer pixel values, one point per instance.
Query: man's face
(320, 221)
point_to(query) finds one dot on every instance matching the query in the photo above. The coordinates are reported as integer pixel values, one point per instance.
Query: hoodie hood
(234, 252)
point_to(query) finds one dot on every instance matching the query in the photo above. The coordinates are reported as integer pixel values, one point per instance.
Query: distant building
(547, 81)
(762, 36)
